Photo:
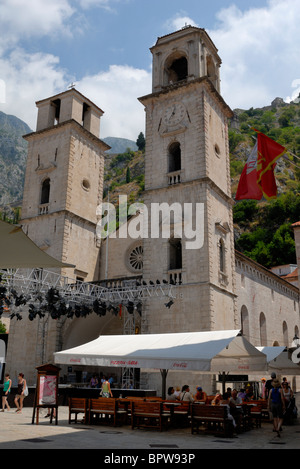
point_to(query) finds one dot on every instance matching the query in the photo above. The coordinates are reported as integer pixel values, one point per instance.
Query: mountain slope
(262, 229)
(13, 155)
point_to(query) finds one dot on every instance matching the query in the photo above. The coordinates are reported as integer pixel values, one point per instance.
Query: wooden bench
(106, 410)
(145, 414)
(77, 406)
(258, 411)
(180, 413)
(213, 419)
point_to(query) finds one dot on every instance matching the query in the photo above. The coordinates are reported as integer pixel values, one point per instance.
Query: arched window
(176, 68)
(175, 254)
(245, 322)
(45, 194)
(56, 105)
(263, 330)
(285, 334)
(221, 255)
(179, 69)
(211, 70)
(174, 157)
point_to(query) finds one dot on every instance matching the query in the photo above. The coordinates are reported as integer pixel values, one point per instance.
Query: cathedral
(187, 192)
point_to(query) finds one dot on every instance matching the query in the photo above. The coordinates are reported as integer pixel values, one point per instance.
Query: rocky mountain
(13, 155)
(119, 145)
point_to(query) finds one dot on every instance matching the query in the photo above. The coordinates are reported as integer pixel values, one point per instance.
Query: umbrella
(17, 250)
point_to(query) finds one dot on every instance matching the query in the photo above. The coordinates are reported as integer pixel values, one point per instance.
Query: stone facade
(186, 162)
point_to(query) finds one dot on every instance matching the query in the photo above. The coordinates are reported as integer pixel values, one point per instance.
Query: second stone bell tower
(64, 181)
(63, 187)
(187, 163)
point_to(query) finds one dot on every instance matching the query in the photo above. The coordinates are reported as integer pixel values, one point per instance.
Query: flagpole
(107, 238)
(291, 162)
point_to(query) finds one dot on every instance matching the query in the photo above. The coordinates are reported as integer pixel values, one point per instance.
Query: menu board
(47, 390)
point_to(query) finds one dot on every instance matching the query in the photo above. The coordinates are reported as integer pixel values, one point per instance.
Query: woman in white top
(287, 392)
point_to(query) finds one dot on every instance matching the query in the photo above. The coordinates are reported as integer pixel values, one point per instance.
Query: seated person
(185, 394)
(235, 403)
(200, 395)
(248, 394)
(242, 393)
(171, 396)
(217, 399)
(227, 394)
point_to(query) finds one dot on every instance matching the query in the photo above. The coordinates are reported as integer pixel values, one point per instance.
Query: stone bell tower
(64, 181)
(63, 187)
(187, 165)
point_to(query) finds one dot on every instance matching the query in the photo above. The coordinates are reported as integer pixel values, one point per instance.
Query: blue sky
(103, 47)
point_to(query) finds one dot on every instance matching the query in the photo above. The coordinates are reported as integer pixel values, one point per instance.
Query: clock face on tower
(174, 114)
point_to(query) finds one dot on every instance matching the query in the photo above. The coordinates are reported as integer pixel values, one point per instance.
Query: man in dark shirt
(269, 384)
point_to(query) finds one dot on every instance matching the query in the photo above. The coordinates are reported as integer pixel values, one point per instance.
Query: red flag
(248, 187)
(268, 153)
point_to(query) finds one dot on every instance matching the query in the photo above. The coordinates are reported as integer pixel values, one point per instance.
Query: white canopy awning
(278, 359)
(207, 352)
(17, 250)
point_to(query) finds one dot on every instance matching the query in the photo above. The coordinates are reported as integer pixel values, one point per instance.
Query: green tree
(2, 328)
(261, 254)
(245, 211)
(141, 141)
(127, 175)
(282, 246)
(268, 119)
(234, 139)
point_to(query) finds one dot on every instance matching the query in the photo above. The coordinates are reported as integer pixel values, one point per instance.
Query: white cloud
(20, 19)
(258, 48)
(28, 78)
(178, 21)
(86, 4)
(259, 51)
(116, 92)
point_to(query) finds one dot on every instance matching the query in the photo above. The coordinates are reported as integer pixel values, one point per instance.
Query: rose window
(136, 258)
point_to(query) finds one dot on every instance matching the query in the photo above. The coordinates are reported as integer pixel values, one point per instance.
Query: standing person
(263, 388)
(20, 392)
(269, 384)
(94, 381)
(106, 391)
(5, 392)
(289, 402)
(276, 404)
(287, 392)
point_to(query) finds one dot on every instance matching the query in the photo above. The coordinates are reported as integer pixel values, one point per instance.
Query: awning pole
(223, 381)
(164, 382)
